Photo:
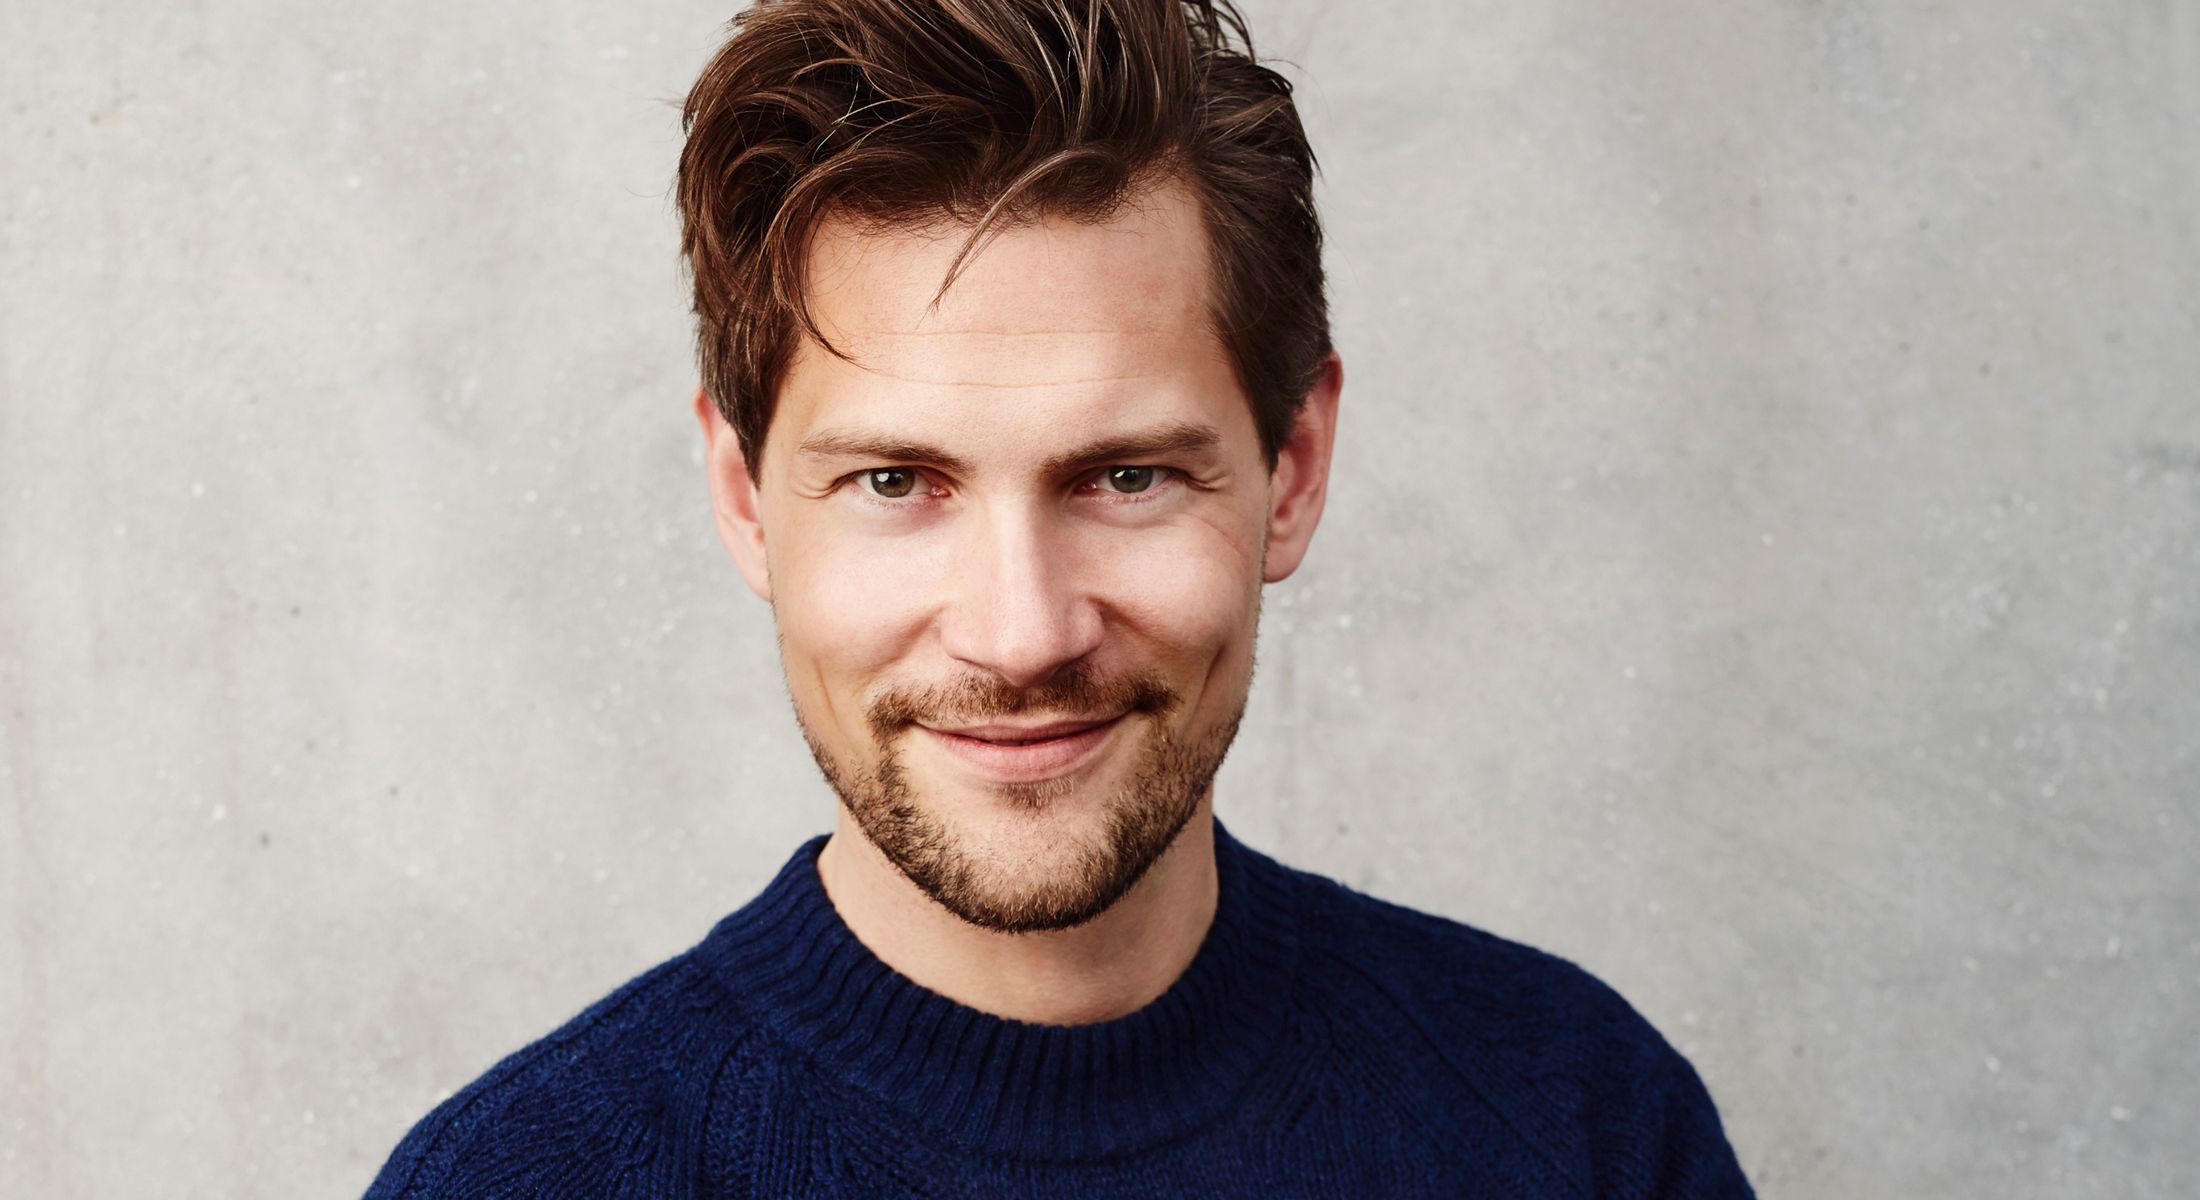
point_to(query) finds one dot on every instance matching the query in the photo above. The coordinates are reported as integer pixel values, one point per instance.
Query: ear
(1300, 481)
(733, 497)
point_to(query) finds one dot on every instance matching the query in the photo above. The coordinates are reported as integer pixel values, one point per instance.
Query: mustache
(1075, 691)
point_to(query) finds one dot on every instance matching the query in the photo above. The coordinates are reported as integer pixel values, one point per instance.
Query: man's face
(1015, 549)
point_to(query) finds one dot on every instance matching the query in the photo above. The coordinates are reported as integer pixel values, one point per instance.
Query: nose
(1021, 609)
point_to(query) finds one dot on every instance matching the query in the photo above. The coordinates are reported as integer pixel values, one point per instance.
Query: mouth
(1024, 754)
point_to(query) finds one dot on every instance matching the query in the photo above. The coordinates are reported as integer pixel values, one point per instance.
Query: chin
(1014, 869)
(1017, 871)
(1031, 855)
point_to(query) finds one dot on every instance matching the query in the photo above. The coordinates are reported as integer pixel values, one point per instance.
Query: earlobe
(1300, 483)
(733, 496)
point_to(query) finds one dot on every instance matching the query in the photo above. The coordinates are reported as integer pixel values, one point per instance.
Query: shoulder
(1560, 1058)
(596, 1104)
(1439, 967)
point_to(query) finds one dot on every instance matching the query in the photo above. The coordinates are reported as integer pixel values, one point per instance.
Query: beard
(1142, 818)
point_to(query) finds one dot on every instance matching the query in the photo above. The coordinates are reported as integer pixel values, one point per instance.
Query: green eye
(1131, 479)
(890, 482)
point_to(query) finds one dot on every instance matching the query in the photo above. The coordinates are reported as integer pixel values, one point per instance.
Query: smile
(1007, 754)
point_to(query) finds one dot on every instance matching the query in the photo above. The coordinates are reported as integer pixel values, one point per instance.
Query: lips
(1012, 735)
(1023, 754)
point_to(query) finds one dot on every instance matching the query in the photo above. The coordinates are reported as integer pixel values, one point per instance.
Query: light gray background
(1763, 564)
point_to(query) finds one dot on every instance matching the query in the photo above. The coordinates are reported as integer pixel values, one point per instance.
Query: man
(1017, 389)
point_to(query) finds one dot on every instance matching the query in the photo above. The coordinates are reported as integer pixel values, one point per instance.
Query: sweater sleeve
(405, 1176)
(1659, 1134)
(426, 1163)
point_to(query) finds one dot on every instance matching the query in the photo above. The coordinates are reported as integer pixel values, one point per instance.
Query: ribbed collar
(1008, 1086)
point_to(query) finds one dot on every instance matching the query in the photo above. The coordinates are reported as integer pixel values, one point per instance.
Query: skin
(1021, 560)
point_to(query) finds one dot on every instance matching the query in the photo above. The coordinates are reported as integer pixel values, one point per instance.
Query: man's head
(1017, 387)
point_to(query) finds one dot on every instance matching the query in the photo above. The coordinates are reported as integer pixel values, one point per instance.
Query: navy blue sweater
(1322, 1043)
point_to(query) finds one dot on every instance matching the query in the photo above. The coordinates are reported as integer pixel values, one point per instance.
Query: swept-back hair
(985, 112)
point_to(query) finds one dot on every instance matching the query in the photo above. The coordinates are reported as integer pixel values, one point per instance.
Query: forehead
(1052, 323)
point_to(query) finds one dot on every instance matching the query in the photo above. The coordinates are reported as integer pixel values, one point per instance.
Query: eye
(892, 483)
(1129, 479)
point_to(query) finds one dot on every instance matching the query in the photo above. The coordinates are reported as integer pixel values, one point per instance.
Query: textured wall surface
(1764, 564)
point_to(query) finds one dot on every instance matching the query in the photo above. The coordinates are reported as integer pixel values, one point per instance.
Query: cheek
(849, 607)
(1192, 588)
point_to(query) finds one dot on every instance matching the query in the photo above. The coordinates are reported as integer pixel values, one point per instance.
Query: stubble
(1143, 818)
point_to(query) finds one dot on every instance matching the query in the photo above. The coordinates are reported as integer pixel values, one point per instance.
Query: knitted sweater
(1321, 1043)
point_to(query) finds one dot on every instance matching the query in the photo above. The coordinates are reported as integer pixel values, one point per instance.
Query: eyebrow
(1176, 437)
(879, 449)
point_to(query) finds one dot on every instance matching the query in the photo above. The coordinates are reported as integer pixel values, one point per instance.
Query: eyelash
(1165, 478)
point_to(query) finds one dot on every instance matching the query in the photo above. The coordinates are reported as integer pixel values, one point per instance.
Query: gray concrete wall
(1764, 564)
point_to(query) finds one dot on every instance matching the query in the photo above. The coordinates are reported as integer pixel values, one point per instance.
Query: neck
(1108, 967)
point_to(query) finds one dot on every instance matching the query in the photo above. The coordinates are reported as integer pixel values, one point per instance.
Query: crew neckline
(1009, 1086)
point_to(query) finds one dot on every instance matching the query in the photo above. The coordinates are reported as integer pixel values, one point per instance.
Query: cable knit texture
(1322, 1043)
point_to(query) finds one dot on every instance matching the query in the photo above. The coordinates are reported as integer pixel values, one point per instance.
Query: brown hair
(985, 111)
